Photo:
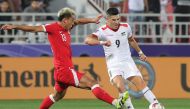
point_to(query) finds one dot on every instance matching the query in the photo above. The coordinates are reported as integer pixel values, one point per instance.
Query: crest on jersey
(123, 34)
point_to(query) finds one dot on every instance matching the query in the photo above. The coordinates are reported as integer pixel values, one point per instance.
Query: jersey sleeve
(48, 28)
(98, 33)
(129, 32)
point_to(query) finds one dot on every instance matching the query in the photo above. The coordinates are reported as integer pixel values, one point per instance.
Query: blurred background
(161, 27)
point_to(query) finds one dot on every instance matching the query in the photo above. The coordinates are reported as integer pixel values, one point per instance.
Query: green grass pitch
(90, 104)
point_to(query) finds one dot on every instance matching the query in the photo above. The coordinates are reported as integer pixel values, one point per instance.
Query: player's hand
(7, 27)
(97, 19)
(143, 57)
(106, 43)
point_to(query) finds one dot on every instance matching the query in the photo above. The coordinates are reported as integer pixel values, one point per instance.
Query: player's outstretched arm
(88, 20)
(23, 27)
(134, 44)
(93, 40)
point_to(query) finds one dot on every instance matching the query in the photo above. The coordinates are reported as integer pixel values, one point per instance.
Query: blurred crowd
(26, 6)
(164, 7)
(23, 6)
(152, 6)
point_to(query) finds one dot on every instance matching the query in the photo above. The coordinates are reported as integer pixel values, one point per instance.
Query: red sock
(46, 103)
(101, 94)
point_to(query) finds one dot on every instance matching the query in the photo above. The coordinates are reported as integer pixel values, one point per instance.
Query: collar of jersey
(112, 28)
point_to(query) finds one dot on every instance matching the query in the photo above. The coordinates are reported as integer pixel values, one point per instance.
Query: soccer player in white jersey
(116, 39)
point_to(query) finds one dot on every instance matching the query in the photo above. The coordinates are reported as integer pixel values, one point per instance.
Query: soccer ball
(156, 106)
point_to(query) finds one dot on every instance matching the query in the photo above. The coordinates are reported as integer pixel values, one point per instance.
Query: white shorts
(125, 69)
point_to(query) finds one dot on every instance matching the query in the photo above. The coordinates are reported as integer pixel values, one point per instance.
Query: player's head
(66, 16)
(113, 18)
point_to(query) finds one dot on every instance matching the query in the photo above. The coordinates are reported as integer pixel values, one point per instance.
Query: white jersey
(119, 50)
(118, 55)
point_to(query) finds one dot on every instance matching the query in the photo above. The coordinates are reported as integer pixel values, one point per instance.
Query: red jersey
(60, 41)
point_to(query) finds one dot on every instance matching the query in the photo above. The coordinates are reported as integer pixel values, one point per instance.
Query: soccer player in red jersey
(64, 73)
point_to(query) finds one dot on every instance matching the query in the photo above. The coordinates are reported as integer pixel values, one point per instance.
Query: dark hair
(112, 11)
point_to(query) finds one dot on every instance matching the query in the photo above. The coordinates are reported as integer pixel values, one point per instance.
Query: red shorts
(66, 77)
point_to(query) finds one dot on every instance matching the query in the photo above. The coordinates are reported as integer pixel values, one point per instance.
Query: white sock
(128, 103)
(114, 102)
(149, 95)
(51, 98)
